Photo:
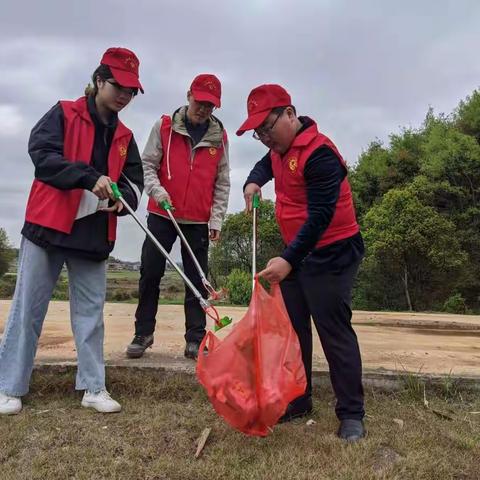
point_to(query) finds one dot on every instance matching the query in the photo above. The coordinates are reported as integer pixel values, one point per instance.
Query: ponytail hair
(102, 72)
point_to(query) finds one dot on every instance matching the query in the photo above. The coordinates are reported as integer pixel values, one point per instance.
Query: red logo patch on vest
(293, 164)
(212, 151)
(122, 150)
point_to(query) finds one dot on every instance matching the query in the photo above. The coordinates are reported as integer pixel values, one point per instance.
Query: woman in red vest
(78, 148)
(323, 244)
(185, 162)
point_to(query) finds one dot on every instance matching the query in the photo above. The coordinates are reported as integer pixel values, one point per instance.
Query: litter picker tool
(208, 308)
(255, 205)
(213, 294)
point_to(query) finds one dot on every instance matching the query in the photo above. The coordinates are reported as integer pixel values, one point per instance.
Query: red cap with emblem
(206, 88)
(124, 65)
(260, 103)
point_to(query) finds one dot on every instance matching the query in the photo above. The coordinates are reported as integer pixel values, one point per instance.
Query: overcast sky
(362, 69)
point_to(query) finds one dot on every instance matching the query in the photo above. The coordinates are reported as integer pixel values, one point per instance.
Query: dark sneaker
(191, 350)
(138, 346)
(351, 430)
(300, 407)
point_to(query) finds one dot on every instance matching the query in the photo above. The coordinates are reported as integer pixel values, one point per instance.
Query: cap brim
(126, 79)
(206, 97)
(253, 121)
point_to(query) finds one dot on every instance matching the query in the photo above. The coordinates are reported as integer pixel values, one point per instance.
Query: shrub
(7, 286)
(239, 286)
(455, 304)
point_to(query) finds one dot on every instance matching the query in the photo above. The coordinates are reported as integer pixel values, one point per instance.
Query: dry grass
(164, 414)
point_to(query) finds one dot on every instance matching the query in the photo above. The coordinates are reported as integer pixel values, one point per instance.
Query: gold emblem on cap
(209, 85)
(130, 61)
(122, 150)
(292, 164)
(212, 151)
(252, 104)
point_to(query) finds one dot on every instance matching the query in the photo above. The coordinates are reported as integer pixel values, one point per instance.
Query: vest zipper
(192, 154)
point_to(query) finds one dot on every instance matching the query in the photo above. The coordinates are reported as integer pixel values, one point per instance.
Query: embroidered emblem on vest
(212, 151)
(292, 164)
(122, 150)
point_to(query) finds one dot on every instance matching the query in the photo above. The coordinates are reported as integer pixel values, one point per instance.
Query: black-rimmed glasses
(266, 131)
(131, 92)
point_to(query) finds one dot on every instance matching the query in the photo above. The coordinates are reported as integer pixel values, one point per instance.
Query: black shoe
(191, 350)
(300, 407)
(138, 346)
(351, 430)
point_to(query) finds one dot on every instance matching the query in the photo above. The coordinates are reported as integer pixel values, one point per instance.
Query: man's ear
(291, 114)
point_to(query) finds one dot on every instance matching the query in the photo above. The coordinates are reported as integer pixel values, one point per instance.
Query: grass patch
(164, 414)
(124, 274)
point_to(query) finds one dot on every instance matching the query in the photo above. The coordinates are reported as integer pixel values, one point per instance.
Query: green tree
(379, 168)
(366, 177)
(438, 165)
(467, 115)
(234, 249)
(417, 245)
(452, 166)
(6, 252)
(239, 286)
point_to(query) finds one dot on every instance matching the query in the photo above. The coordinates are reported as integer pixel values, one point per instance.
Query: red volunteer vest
(291, 193)
(188, 175)
(53, 208)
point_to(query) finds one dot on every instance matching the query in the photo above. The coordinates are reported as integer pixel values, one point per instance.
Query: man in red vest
(185, 162)
(323, 244)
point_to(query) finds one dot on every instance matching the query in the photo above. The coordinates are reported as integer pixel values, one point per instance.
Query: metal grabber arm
(208, 308)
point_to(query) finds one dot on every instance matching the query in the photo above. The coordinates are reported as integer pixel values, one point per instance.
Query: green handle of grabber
(116, 191)
(256, 200)
(166, 205)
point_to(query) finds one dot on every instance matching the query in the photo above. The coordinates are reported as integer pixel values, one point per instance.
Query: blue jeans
(38, 272)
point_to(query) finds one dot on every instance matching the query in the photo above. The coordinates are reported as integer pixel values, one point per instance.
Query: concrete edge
(385, 380)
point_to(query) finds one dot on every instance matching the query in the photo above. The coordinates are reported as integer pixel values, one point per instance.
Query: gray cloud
(361, 69)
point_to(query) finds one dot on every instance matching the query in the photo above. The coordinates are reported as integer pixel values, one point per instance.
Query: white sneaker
(9, 405)
(101, 402)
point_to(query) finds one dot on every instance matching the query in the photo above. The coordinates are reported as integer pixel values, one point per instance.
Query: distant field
(124, 274)
(122, 286)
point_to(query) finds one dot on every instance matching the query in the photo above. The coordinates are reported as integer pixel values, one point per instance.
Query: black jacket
(323, 175)
(89, 236)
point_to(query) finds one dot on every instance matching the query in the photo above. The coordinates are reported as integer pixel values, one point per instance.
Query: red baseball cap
(260, 103)
(123, 64)
(206, 88)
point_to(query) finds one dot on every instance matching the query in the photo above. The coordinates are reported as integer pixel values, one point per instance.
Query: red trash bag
(256, 371)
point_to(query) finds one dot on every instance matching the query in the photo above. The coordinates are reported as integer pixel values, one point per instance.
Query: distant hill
(114, 264)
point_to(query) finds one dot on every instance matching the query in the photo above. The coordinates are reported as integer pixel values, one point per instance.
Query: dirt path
(430, 343)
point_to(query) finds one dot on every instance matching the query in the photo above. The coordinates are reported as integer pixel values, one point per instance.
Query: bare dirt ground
(426, 343)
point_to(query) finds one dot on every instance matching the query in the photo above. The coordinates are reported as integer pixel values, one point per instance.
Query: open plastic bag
(256, 371)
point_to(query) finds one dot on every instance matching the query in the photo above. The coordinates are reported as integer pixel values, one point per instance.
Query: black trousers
(313, 291)
(153, 268)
